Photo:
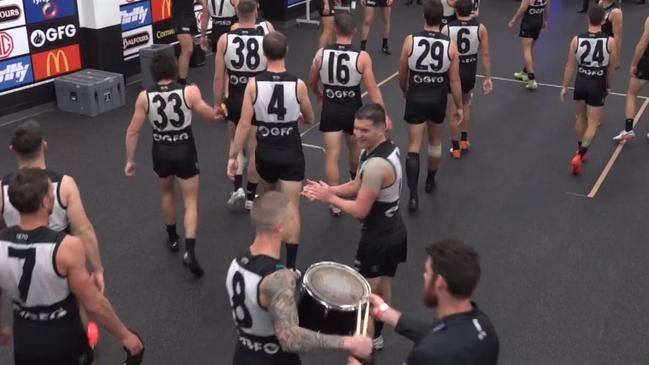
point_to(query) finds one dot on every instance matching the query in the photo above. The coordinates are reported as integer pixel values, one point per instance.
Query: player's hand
(98, 280)
(6, 337)
(487, 86)
(134, 348)
(300, 120)
(375, 303)
(353, 361)
(129, 169)
(205, 43)
(320, 191)
(219, 113)
(511, 24)
(545, 26)
(388, 123)
(358, 346)
(389, 2)
(459, 113)
(562, 96)
(233, 165)
(633, 71)
(326, 7)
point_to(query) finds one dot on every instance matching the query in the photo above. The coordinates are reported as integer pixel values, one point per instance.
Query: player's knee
(435, 151)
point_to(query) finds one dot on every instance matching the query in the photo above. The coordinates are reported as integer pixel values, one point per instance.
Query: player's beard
(430, 298)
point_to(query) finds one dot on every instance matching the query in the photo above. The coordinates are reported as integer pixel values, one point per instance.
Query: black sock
(430, 178)
(628, 124)
(251, 191)
(182, 81)
(456, 144)
(363, 44)
(412, 171)
(238, 182)
(464, 136)
(385, 42)
(378, 328)
(171, 232)
(352, 174)
(582, 150)
(190, 245)
(530, 76)
(524, 69)
(291, 255)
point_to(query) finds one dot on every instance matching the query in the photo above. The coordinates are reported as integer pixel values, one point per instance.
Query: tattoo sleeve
(280, 288)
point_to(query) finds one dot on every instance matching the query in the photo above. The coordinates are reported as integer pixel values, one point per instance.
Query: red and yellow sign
(161, 10)
(56, 62)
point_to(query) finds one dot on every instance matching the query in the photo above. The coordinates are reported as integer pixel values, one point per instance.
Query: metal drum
(330, 298)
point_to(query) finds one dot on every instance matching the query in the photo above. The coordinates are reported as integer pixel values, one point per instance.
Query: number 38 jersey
(466, 34)
(593, 55)
(429, 62)
(170, 116)
(254, 326)
(341, 79)
(244, 58)
(277, 110)
(29, 276)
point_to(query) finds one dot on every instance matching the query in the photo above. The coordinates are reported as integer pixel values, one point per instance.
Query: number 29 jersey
(257, 343)
(428, 62)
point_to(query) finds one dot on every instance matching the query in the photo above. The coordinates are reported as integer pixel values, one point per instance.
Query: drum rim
(329, 306)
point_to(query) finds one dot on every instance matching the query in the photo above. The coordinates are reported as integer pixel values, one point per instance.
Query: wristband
(382, 309)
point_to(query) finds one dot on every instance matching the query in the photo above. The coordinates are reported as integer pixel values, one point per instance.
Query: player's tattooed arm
(280, 290)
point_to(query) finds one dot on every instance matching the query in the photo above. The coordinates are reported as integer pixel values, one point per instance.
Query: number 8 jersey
(429, 62)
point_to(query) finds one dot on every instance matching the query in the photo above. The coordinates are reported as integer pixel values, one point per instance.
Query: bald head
(269, 211)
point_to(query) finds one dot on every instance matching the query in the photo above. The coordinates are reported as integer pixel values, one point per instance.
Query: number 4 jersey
(257, 343)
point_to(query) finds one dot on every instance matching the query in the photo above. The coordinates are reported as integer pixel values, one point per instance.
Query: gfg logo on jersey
(340, 94)
(15, 72)
(52, 35)
(274, 131)
(136, 15)
(42, 10)
(238, 80)
(428, 79)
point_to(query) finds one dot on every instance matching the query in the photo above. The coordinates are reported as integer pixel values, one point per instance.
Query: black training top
(461, 339)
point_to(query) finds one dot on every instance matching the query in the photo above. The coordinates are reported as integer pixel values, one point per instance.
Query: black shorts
(530, 29)
(468, 82)
(281, 358)
(338, 121)
(217, 32)
(381, 258)
(61, 343)
(280, 165)
(233, 103)
(377, 3)
(591, 90)
(643, 68)
(319, 5)
(179, 161)
(433, 110)
(185, 23)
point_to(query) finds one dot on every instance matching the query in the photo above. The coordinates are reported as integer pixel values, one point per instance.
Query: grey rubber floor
(565, 277)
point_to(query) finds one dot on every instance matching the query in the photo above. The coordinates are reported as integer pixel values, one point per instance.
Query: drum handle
(362, 320)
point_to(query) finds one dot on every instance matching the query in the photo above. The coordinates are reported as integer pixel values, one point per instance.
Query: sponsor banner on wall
(15, 72)
(43, 10)
(56, 62)
(13, 43)
(126, 2)
(136, 39)
(161, 10)
(136, 15)
(11, 14)
(44, 36)
(164, 32)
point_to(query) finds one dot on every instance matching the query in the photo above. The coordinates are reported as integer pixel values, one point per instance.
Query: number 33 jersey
(169, 114)
(29, 276)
